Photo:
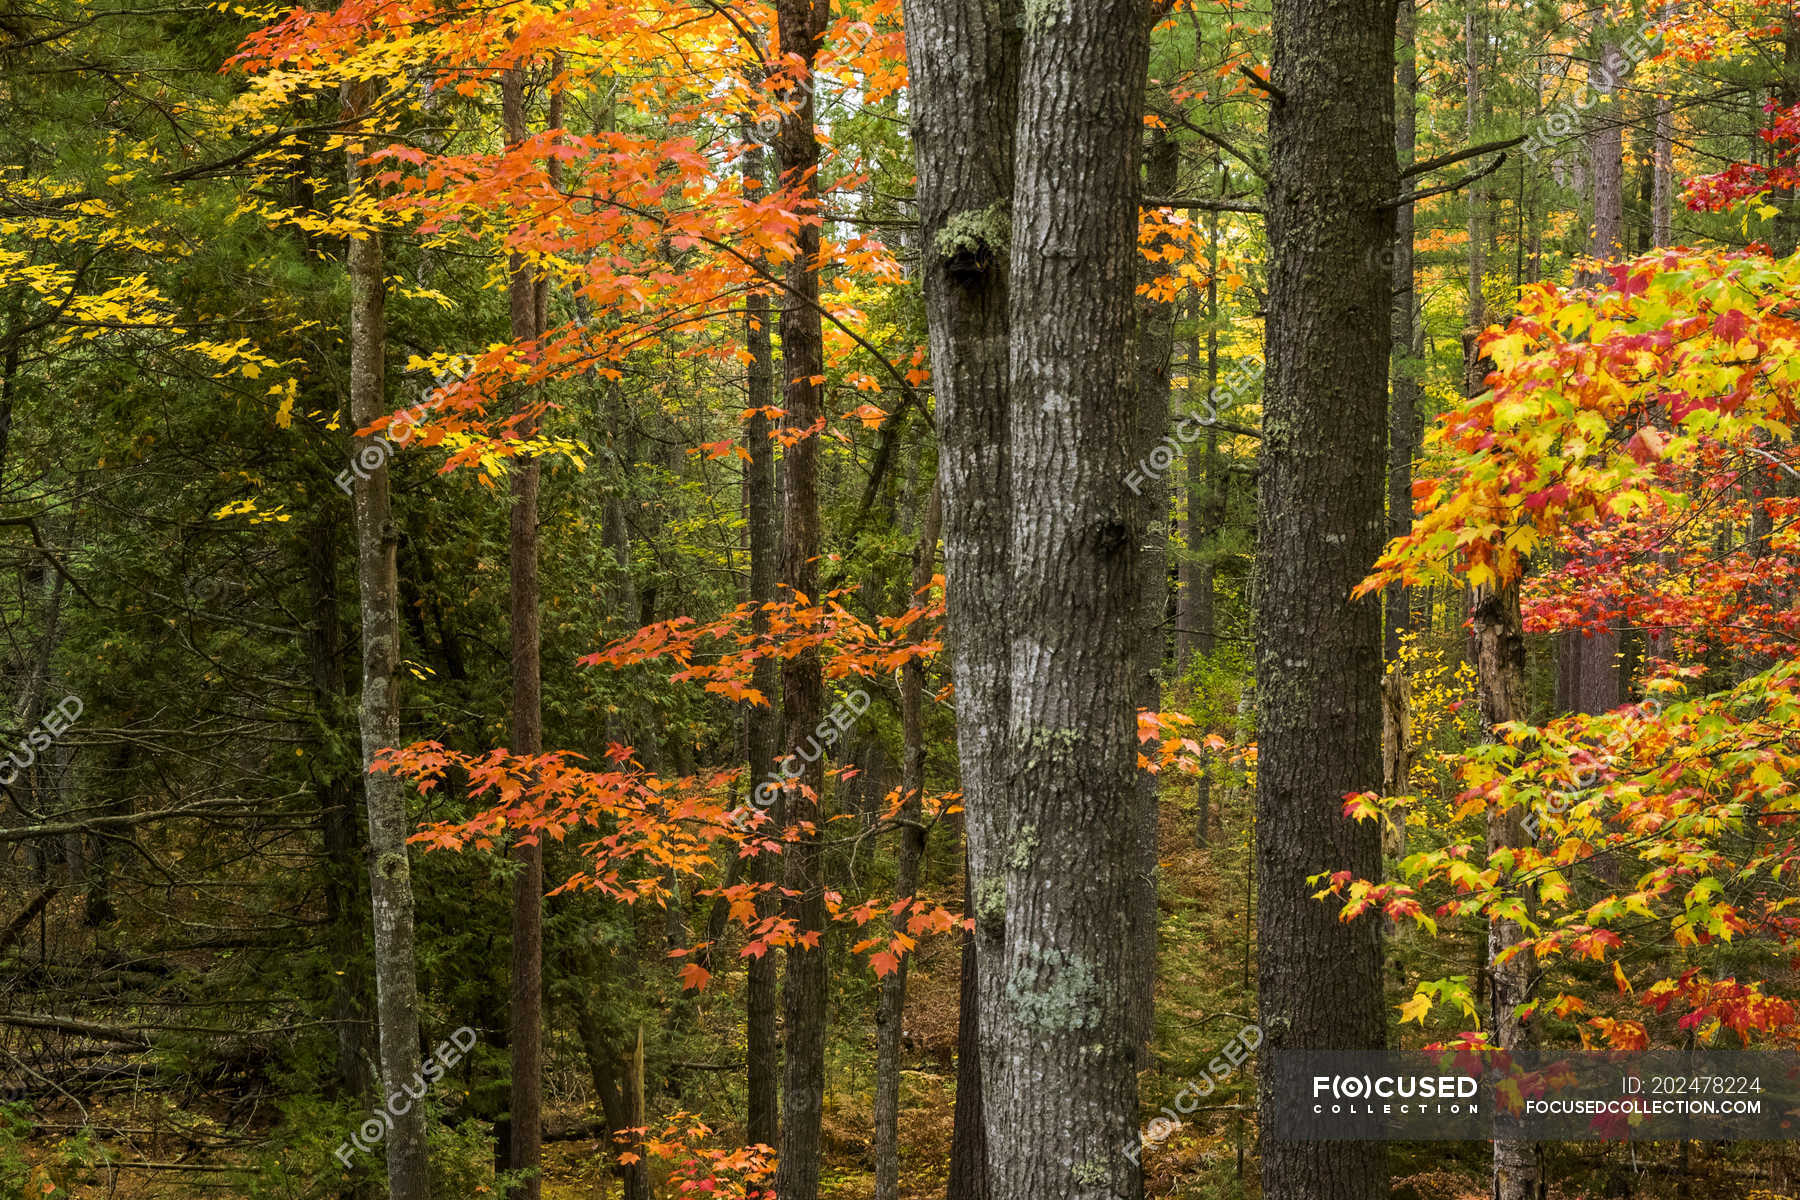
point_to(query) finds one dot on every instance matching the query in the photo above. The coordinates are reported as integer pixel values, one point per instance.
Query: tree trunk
(762, 1060)
(963, 65)
(1403, 397)
(1320, 524)
(1069, 1037)
(1218, 479)
(890, 1009)
(1662, 188)
(338, 832)
(619, 1083)
(1593, 671)
(1474, 52)
(968, 1141)
(525, 1030)
(1156, 343)
(801, 25)
(377, 538)
(1500, 671)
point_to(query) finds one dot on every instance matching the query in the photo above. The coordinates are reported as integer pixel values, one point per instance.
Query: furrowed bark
(1320, 526)
(962, 57)
(1066, 985)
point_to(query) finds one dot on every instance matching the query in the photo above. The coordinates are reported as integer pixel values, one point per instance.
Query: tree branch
(1262, 85)
(1456, 156)
(1452, 186)
(1203, 203)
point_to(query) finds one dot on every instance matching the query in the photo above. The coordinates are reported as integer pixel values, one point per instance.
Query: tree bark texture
(1320, 524)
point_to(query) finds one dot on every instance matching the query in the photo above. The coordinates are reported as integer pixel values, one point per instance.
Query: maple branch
(1453, 186)
(1456, 156)
(908, 394)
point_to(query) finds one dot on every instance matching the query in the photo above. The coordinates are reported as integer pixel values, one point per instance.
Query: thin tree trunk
(1518, 1172)
(338, 832)
(1320, 524)
(525, 1031)
(1403, 394)
(968, 1141)
(1474, 54)
(800, 26)
(618, 1082)
(890, 1008)
(1218, 480)
(1593, 671)
(762, 1060)
(377, 539)
(1067, 983)
(963, 65)
(1156, 343)
(1662, 190)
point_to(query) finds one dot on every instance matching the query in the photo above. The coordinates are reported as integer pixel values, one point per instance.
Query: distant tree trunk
(525, 1030)
(1218, 479)
(1592, 681)
(618, 1079)
(339, 834)
(1500, 671)
(801, 25)
(377, 538)
(1662, 192)
(1474, 55)
(890, 1008)
(1155, 347)
(1067, 1098)
(763, 1055)
(963, 61)
(968, 1141)
(1403, 397)
(1320, 524)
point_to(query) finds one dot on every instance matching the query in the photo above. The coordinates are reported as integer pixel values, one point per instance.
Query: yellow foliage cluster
(1445, 719)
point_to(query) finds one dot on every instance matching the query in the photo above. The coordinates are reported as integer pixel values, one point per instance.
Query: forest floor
(1204, 998)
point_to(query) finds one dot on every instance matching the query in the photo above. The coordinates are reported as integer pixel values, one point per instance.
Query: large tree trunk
(1500, 671)
(890, 1008)
(377, 538)
(762, 1059)
(1067, 1094)
(800, 26)
(1320, 524)
(963, 61)
(525, 1030)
